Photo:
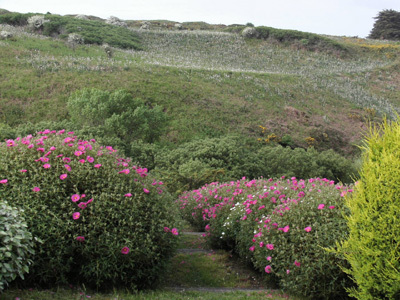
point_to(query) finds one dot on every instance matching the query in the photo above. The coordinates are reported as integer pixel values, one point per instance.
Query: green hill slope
(210, 83)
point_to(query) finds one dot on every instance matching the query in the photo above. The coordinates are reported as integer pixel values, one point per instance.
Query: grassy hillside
(210, 82)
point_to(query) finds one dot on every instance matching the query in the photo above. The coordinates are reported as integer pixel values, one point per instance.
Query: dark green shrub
(118, 206)
(386, 26)
(279, 161)
(16, 244)
(300, 230)
(372, 245)
(193, 164)
(92, 31)
(14, 19)
(117, 114)
(310, 41)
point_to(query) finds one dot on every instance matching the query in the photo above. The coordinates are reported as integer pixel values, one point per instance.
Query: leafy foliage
(283, 161)
(386, 26)
(101, 219)
(16, 244)
(117, 114)
(193, 164)
(93, 31)
(275, 224)
(300, 229)
(372, 245)
(15, 19)
(310, 41)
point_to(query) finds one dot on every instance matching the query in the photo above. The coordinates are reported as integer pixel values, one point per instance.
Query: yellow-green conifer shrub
(373, 245)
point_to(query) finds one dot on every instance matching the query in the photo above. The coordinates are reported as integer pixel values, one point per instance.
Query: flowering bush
(291, 240)
(281, 226)
(101, 219)
(16, 245)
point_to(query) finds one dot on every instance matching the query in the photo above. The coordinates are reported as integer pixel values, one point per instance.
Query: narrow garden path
(196, 267)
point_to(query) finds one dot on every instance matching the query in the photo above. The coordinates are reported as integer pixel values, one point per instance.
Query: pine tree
(387, 25)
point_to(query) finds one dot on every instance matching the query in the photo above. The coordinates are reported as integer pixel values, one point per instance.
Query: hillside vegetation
(278, 87)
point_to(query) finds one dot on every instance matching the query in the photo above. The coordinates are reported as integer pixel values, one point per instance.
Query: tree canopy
(387, 25)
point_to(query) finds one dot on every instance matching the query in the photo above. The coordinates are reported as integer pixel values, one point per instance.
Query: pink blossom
(146, 191)
(10, 143)
(270, 246)
(75, 197)
(82, 205)
(78, 153)
(268, 269)
(3, 181)
(174, 231)
(97, 166)
(76, 215)
(287, 271)
(128, 195)
(166, 229)
(125, 171)
(308, 228)
(208, 228)
(269, 258)
(80, 238)
(52, 148)
(63, 176)
(125, 250)
(30, 146)
(40, 149)
(82, 161)
(36, 189)
(66, 159)
(90, 159)
(296, 263)
(331, 207)
(46, 166)
(252, 248)
(286, 228)
(261, 244)
(321, 206)
(23, 171)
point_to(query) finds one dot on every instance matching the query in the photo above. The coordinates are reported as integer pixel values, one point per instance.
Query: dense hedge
(281, 226)
(101, 219)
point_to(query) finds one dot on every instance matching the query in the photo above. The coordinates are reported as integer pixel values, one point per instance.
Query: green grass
(79, 294)
(226, 85)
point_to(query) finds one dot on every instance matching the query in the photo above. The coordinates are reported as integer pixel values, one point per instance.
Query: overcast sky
(332, 17)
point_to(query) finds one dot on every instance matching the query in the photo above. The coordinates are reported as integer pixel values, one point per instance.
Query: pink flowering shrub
(301, 230)
(99, 224)
(280, 226)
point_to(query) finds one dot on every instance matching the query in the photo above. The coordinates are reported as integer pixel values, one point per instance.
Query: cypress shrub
(372, 247)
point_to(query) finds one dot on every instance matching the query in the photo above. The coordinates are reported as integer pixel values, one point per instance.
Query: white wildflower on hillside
(81, 17)
(5, 35)
(37, 21)
(75, 39)
(249, 32)
(116, 22)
